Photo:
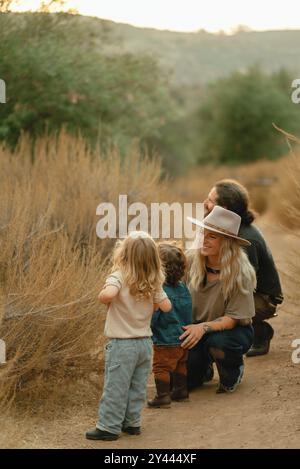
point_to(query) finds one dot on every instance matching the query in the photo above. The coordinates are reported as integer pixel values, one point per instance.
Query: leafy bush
(235, 120)
(58, 75)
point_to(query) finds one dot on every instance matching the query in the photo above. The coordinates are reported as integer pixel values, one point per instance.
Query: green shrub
(235, 120)
(57, 75)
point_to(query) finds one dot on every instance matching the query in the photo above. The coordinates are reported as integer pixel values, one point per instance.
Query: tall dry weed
(286, 209)
(52, 264)
(259, 178)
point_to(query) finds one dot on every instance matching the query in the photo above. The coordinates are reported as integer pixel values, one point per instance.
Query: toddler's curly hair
(174, 262)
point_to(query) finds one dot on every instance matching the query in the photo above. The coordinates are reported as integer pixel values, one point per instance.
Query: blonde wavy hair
(236, 271)
(138, 260)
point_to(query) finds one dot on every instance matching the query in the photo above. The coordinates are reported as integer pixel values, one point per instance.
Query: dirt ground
(263, 413)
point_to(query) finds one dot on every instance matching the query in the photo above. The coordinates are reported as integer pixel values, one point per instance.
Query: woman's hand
(193, 333)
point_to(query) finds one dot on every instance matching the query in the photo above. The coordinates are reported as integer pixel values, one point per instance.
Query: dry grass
(286, 209)
(259, 178)
(52, 264)
(286, 194)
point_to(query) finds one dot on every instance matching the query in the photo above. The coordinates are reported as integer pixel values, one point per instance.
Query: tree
(235, 120)
(54, 6)
(5, 5)
(57, 75)
(45, 6)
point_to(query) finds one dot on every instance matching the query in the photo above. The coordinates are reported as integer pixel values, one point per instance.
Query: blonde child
(132, 291)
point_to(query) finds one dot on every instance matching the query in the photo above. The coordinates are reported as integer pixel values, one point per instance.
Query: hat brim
(241, 241)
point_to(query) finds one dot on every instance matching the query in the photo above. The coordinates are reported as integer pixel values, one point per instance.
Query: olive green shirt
(209, 304)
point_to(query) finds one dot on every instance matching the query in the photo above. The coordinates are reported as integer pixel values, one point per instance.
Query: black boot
(132, 430)
(162, 398)
(263, 334)
(97, 434)
(179, 391)
(259, 349)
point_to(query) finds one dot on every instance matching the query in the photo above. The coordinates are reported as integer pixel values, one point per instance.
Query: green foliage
(235, 120)
(92, 76)
(178, 143)
(58, 75)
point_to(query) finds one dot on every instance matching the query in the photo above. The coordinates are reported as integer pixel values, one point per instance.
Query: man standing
(232, 195)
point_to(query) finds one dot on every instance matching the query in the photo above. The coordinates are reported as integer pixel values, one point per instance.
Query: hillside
(202, 57)
(191, 58)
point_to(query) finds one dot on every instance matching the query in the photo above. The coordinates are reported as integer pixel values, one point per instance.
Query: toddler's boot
(179, 391)
(162, 398)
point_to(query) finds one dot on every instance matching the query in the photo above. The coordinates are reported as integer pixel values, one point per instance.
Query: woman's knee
(217, 341)
(216, 353)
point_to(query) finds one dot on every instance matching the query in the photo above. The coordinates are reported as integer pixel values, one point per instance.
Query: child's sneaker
(97, 434)
(132, 430)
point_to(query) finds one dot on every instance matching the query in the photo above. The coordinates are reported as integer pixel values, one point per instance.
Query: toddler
(169, 357)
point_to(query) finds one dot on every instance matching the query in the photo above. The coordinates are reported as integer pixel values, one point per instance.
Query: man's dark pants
(264, 309)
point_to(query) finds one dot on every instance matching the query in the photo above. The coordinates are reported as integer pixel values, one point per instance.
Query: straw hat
(223, 221)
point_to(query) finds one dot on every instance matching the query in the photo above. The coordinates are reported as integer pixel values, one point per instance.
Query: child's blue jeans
(127, 367)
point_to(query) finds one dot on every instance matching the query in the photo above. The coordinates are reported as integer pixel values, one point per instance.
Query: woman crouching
(221, 281)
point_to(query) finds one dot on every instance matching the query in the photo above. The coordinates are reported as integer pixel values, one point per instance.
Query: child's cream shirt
(128, 317)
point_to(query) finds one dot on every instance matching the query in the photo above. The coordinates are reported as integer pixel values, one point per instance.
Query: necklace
(211, 270)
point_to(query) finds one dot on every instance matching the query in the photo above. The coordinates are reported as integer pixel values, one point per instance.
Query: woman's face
(211, 243)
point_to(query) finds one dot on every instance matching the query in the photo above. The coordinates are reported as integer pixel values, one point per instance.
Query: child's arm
(165, 305)
(108, 293)
(111, 288)
(157, 311)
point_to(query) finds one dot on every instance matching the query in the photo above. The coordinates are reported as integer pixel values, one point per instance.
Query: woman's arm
(194, 332)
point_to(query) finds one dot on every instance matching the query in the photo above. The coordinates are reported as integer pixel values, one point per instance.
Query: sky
(190, 15)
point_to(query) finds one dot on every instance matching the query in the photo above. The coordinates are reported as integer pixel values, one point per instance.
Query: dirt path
(263, 413)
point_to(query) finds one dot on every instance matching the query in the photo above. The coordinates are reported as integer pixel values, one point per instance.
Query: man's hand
(193, 333)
